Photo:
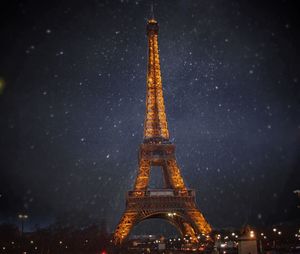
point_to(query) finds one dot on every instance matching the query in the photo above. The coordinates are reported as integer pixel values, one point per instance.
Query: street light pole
(297, 192)
(22, 217)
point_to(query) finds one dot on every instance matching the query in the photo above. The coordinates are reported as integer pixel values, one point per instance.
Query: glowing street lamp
(22, 217)
(297, 192)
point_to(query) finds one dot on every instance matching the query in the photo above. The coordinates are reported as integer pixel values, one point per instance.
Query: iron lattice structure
(175, 202)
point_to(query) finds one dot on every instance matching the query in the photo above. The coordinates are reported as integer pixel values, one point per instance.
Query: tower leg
(175, 176)
(143, 176)
(201, 224)
(124, 227)
(188, 230)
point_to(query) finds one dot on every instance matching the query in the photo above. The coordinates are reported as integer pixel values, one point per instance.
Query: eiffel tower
(175, 202)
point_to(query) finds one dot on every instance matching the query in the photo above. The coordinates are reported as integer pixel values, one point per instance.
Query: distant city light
(171, 214)
(2, 85)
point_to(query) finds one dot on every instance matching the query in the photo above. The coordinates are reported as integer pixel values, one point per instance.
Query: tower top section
(155, 126)
(152, 26)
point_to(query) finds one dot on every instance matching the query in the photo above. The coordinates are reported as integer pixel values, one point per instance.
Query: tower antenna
(152, 10)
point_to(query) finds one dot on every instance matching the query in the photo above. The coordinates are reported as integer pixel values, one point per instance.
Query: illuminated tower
(175, 202)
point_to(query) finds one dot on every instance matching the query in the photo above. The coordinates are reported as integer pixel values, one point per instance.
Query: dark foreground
(95, 240)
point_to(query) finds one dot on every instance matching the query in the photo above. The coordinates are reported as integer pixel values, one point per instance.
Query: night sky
(72, 104)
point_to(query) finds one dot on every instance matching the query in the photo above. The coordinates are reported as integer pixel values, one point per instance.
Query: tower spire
(155, 127)
(152, 10)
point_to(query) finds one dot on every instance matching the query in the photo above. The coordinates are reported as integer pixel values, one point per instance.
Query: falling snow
(73, 110)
